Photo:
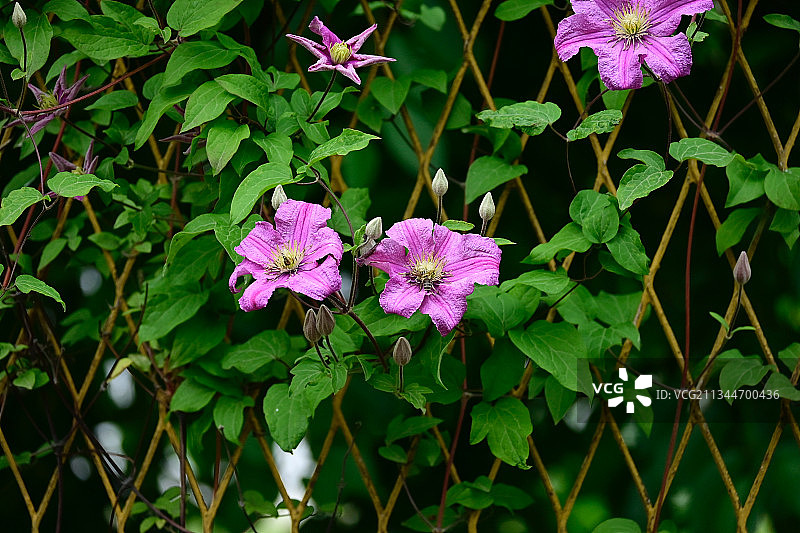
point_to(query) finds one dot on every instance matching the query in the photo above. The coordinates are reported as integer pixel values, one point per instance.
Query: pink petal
(447, 305)
(416, 234)
(298, 222)
(317, 283)
(362, 60)
(389, 256)
(471, 258)
(401, 297)
(245, 267)
(599, 10)
(621, 68)
(578, 31)
(315, 48)
(348, 71)
(666, 14)
(260, 244)
(323, 64)
(257, 294)
(328, 37)
(669, 57)
(358, 41)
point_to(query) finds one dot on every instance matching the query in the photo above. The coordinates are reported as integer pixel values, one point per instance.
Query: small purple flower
(88, 166)
(626, 33)
(338, 55)
(300, 253)
(433, 269)
(45, 100)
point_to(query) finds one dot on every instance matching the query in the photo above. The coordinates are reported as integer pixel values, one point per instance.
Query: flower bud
(374, 229)
(310, 327)
(325, 321)
(486, 209)
(18, 17)
(402, 352)
(278, 197)
(439, 184)
(741, 272)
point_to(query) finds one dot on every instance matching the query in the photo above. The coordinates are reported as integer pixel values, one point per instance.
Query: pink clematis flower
(338, 55)
(300, 253)
(626, 33)
(433, 269)
(45, 100)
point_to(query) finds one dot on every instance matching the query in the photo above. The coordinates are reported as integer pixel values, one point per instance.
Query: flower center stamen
(340, 53)
(631, 24)
(47, 100)
(286, 259)
(427, 271)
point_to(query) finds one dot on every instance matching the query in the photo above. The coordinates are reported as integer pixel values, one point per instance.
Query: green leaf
(195, 55)
(745, 180)
(70, 185)
(277, 147)
(628, 250)
(517, 9)
(32, 378)
(161, 317)
(115, 100)
(205, 104)
(639, 181)
(38, 34)
(191, 396)
(554, 347)
(267, 346)
(510, 497)
(783, 386)
(400, 428)
(559, 398)
(739, 373)
(287, 416)
(201, 224)
(780, 20)
(498, 310)
(106, 240)
(488, 172)
(458, 225)
(600, 122)
(618, 525)
(471, 495)
(194, 339)
(596, 214)
(570, 237)
(435, 79)
(191, 16)
(783, 188)
(254, 185)
(223, 141)
(502, 370)
(229, 415)
(26, 284)
(544, 280)
(348, 141)
(701, 149)
(104, 38)
(531, 117)
(507, 424)
(648, 157)
(732, 230)
(790, 356)
(786, 223)
(356, 201)
(51, 250)
(163, 100)
(16, 202)
(390, 93)
(394, 453)
(66, 9)
(248, 87)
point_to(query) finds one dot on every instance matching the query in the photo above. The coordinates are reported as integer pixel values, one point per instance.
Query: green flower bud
(325, 321)
(402, 352)
(374, 229)
(278, 197)
(439, 183)
(18, 17)
(340, 53)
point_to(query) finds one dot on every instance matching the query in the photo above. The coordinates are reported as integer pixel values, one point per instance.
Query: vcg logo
(615, 390)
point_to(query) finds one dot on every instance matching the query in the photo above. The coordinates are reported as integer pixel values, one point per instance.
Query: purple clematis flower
(300, 253)
(433, 269)
(626, 33)
(88, 166)
(45, 100)
(338, 55)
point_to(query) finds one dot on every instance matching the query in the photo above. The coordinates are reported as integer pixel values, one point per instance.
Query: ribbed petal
(315, 48)
(258, 294)
(362, 60)
(358, 41)
(260, 244)
(621, 68)
(389, 256)
(471, 259)
(306, 224)
(323, 64)
(578, 31)
(41, 123)
(415, 234)
(317, 283)
(447, 305)
(599, 10)
(401, 297)
(669, 57)
(61, 83)
(328, 37)
(349, 72)
(243, 268)
(62, 164)
(37, 92)
(72, 92)
(665, 15)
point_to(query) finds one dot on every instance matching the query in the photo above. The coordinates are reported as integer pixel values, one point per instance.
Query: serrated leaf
(488, 172)
(701, 149)
(26, 284)
(70, 185)
(638, 182)
(600, 122)
(254, 185)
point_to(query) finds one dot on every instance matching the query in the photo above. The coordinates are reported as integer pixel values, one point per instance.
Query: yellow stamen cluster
(286, 259)
(340, 53)
(47, 101)
(631, 24)
(427, 271)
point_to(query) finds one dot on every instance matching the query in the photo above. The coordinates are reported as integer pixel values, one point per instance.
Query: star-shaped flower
(300, 253)
(45, 100)
(338, 55)
(433, 269)
(626, 33)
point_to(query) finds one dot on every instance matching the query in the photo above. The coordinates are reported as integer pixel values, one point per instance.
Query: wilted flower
(338, 55)
(433, 269)
(60, 95)
(625, 33)
(300, 253)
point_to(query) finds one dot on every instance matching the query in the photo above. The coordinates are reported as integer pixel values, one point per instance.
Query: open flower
(45, 100)
(338, 55)
(625, 33)
(300, 253)
(433, 269)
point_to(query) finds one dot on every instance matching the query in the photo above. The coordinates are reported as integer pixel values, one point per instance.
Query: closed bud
(741, 272)
(278, 197)
(486, 209)
(402, 352)
(439, 183)
(374, 229)
(325, 321)
(310, 327)
(18, 17)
